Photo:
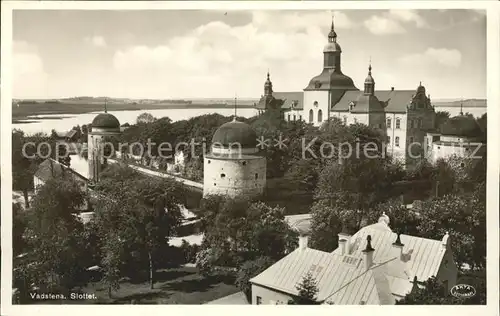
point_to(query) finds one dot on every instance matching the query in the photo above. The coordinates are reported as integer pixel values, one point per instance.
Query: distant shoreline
(22, 113)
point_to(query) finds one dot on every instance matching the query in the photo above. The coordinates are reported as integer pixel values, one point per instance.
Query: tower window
(398, 123)
(311, 116)
(315, 103)
(215, 184)
(396, 141)
(320, 116)
(389, 121)
(222, 175)
(294, 118)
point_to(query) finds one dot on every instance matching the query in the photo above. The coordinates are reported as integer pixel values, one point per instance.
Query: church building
(403, 116)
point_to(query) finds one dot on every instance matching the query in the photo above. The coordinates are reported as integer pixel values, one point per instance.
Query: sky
(213, 54)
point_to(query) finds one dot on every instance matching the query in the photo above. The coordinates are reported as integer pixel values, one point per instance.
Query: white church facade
(403, 116)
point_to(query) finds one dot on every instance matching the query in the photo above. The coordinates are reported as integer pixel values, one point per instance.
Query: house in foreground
(375, 266)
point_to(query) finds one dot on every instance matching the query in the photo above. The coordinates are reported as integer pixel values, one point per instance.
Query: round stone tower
(103, 125)
(234, 166)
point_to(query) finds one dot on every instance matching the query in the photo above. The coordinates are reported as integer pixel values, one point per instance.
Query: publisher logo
(463, 291)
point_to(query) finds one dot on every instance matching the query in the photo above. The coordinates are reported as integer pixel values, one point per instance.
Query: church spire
(268, 86)
(332, 36)
(369, 82)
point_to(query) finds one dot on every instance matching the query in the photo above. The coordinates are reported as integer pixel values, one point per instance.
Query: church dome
(106, 120)
(235, 132)
(330, 79)
(332, 47)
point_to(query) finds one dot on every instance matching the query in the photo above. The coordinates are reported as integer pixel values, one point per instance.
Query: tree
(464, 217)
(238, 230)
(19, 223)
(145, 118)
(141, 212)
(433, 292)
(54, 236)
(249, 270)
(441, 118)
(308, 290)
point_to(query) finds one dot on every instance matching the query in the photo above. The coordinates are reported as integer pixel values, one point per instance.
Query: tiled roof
(344, 279)
(424, 255)
(52, 169)
(291, 98)
(396, 100)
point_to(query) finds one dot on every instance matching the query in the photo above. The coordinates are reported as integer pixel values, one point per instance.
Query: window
(389, 139)
(398, 123)
(256, 176)
(397, 141)
(300, 117)
(311, 116)
(222, 175)
(258, 300)
(294, 118)
(345, 120)
(208, 161)
(244, 163)
(355, 120)
(315, 103)
(389, 121)
(320, 116)
(289, 117)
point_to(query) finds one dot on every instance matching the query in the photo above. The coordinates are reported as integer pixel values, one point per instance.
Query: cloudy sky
(196, 54)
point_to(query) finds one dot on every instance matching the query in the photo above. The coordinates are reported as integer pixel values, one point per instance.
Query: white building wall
(398, 152)
(233, 177)
(294, 115)
(269, 297)
(37, 182)
(323, 100)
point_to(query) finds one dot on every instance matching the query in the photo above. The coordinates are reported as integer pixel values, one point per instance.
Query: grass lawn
(174, 286)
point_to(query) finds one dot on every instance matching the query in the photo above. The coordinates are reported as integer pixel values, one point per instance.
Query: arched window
(320, 116)
(398, 123)
(389, 121)
(294, 118)
(311, 116)
(396, 141)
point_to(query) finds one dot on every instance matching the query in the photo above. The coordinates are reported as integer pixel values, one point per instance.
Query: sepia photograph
(249, 157)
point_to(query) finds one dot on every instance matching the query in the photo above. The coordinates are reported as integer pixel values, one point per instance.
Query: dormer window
(317, 84)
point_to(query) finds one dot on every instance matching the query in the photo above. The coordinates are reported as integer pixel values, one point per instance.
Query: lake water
(64, 122)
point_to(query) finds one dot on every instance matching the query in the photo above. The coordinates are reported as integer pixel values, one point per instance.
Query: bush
(249, 270)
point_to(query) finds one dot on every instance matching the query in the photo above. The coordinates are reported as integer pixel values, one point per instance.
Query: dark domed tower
(103, 125)
(234, 166)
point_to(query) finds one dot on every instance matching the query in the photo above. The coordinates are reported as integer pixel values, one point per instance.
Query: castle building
(403, 116)
(234, 166)
(459, 137)
(104, 125)
(375, 266)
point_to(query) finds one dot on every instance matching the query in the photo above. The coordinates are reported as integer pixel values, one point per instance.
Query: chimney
(392, 88)
(368, 252)
(444, 241)
(303, 241)
(398, 245)
(344, 237)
